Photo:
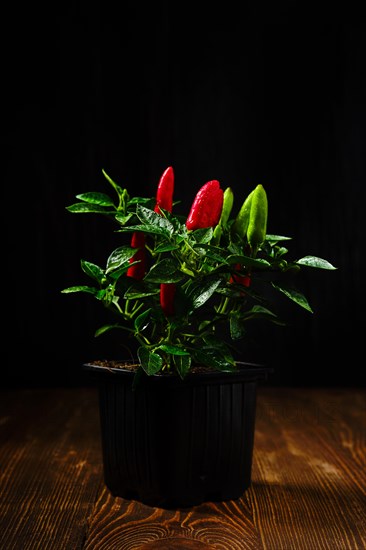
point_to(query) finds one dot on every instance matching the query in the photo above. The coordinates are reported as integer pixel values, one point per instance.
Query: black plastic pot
(170, 443)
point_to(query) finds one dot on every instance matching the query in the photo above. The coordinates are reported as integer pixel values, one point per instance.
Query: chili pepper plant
(184, 286)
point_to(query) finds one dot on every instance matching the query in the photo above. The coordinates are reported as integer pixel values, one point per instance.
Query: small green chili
(257, 226)
(241, 222)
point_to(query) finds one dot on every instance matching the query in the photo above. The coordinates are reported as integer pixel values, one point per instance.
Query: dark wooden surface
(308, 481)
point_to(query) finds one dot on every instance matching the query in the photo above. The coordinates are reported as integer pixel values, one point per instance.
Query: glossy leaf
(165, 271)
(174, 350)
(84, 208)
(314, 261)
(142, 321)
(93, 271)
(151, 362)
(203, 292)
(294, 295)
(80, 288)
(120, 257)
(107, 328)
(96, 198)
(182, 364)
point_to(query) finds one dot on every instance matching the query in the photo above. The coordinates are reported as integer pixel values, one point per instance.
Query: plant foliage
(221, 283)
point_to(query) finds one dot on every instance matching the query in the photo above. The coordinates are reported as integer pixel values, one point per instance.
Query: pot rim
(246, 371)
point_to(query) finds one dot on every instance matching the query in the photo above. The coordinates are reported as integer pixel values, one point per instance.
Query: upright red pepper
(207, 206)
(137, 271)
(164, 195)
(164, 199)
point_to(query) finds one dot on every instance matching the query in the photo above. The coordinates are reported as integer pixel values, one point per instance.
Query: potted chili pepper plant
(177, 421)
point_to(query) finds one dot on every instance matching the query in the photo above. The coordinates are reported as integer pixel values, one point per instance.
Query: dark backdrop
(239, 97)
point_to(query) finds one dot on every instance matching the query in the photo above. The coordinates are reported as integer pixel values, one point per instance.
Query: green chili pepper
(241, 222)
(227, 206)
(257, 227)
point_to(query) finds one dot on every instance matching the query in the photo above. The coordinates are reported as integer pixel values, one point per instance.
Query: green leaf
(276, 238)
(134, 294)
(107, 328)
(165, 247)
(120, 258)
(80, 288)
(151, 362)
(150, 217)
(123, 219)
(218, 347)
(260, 312)
(164, 272)
(93, 270)
(281, 251)
(247, 261)
(237, 327)
(145, 228)
(182, 364)
(294, 295)
(202, 236)
(173, 350)
(213, 253)
(314, 261)
(212, 358)
(84, 208)
(203, 292)
(96, 198)
(142, 321)
(143, 200)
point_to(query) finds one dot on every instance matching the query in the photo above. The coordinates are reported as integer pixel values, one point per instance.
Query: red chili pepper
(137, 271)
(164, 195)
(240, 279)
(167, 292)
(164, 199)
(207, 206)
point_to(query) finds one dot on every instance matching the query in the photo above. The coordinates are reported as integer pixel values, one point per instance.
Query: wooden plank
(51, 471)
(129, 525)
(308, 490)
(309, 484)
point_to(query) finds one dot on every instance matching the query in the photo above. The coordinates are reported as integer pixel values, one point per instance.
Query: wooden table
(308, 480)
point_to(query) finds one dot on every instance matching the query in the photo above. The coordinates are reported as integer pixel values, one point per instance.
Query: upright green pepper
(257, 226)
(227, 206)
(251, 226)
(241, 222)
(251, 222)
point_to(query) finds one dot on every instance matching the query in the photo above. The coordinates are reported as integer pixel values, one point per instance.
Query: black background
(241, 97)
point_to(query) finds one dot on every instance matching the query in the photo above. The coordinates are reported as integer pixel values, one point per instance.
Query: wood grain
(50, 468)
(308, 487)
(309, 476)
(129, 525)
